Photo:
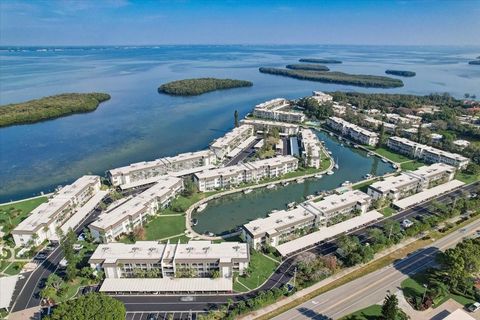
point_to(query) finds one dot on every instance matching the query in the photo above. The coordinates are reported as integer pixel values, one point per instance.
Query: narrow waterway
(233, 210)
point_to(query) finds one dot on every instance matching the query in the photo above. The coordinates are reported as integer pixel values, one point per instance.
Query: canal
(228, 212)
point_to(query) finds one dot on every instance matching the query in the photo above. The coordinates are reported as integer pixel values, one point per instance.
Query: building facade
(285, 128)
(410, 183)
(230, 141)
(43, 221)
(132, 213)
(311, 148)
(151, 259)
(353, 131)
(426, 153)
(226, 177)
(146, 172)
(279, 110)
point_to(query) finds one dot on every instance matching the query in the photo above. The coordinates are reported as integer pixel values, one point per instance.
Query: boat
(271, 186)
(394, 166)
(329, 152)
(301, 180)
(247, 191)
(341, 144)
(318, 176)
(310, 197)
(210, 234)
(346, 183)
(384, 160)
(370, 154)
(286, 183)
(330, 173)
(368, 176)
(202, 207)
(291, 205)
(356, 146)
(194, 222)
(331, 134)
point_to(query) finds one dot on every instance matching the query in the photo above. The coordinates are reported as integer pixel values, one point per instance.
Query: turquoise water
(228, 212)
(139, 124)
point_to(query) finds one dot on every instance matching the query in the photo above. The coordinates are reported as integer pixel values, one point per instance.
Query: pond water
(231, 211)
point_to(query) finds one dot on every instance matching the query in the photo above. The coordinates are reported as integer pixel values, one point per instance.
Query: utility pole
(294, 276)
(425, 292)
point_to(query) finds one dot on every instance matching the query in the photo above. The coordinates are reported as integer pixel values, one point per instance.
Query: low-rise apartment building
(226, 177)
(230, 141)
(353, 131)
(285, 128)
(409, 183)
(426, 153)
(146, 172)
(151, 259)
(43, 221)
(133, 212)
(388, 127)
(281, 226)
(279, 110)
(311, 148)
(322, 97)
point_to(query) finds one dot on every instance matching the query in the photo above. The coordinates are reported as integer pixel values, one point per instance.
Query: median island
(359, 80)
(50, 108)
(194, 87)
(307, 66)
(401, 73)
(316, 60)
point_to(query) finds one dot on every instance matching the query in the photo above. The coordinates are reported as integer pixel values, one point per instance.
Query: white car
(474, 307)
(407, 223)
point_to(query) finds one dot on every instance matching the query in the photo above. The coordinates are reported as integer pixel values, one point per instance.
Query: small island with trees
(194, 87)
(401, 73)
(359, 80)
(307, 66)
(317, 60)
(475, 62)
(50, 108)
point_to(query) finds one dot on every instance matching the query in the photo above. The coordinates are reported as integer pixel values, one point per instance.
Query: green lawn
(467, 178)
(182, 238)
(164, 226)
(14, 268)
(262, 267)
(388, 211)
(369, 313)
(413, 286)
(12, 214)
(395, 157)
(411, 165)
(363, 186)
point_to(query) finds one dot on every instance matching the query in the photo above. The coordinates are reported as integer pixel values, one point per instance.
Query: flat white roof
(8, 286)
(269, 123)
(327, 232)
(231, 136)
(354, 127)
(334, 201)
(459, 314)
(166, 285)
(394, 182)
(428, 194)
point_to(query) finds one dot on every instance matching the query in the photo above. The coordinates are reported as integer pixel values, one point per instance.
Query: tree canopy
(193, 87)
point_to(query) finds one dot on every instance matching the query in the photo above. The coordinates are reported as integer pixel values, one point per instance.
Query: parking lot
(162, 315)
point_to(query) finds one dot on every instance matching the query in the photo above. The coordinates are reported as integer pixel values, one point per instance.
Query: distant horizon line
(233, 44)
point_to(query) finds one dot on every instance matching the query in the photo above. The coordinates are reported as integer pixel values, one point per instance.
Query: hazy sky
(111, 22)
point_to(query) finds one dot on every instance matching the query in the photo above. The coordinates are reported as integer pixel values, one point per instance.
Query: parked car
(474, 307)
(407, 223)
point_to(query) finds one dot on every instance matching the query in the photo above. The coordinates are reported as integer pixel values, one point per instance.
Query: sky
(131, 22)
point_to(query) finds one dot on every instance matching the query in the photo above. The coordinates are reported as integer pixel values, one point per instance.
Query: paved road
(281, 276)
(372, 288)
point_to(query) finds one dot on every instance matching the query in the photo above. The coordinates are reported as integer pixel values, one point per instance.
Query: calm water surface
(228, 212)
(140, 124)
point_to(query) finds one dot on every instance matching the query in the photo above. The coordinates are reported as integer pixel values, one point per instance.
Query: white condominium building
(353, 131)
(322, 97)
(285, 128)
(221, 178)
(151, 259)
(43, 221)
(131, 213)
(311, 148)
(230, 141)
(410, 183)
(408, 119)
(388, 127)
(146, 172)
(426, 153)
(278, 109)
(280, 226)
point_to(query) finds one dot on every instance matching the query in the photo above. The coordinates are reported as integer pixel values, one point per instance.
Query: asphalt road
(283, 274)
(372, 288)
(27, 291)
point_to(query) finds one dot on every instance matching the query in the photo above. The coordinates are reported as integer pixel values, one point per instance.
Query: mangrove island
(307, 66)
(50, 107)
(194, 87)
(359, 80)
(401, 73)
(317, 60)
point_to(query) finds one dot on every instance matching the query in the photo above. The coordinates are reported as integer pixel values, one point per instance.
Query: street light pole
(425, 292)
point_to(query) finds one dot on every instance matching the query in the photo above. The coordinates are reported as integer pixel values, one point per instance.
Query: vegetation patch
(401, 73)
(317, 60)
(50, 107)
(164, 226)
(360, 80)
(307, 66)
(259, 270)
(411, 165)
(392, 156)
(368, 313)
(194, 87)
